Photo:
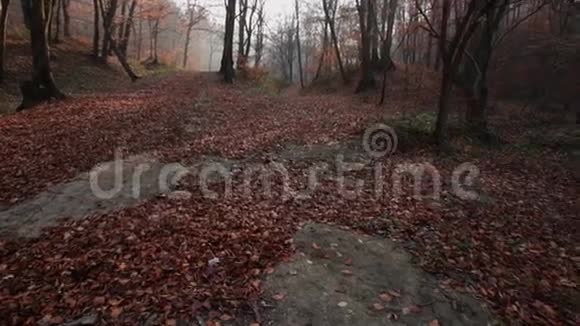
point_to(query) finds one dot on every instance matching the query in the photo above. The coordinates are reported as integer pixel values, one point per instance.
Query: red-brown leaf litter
(177, 258)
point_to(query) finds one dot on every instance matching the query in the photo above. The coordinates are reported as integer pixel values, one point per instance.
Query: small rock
(180, 195)
(85, 320)
(213, 261)
(342, 304)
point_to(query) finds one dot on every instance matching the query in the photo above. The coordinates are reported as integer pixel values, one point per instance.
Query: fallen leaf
(170, 322)
(99, 301)
(116, 311)
(278, 297)
(434, 322)
(410, 309)
(347, 272)
(386, 297)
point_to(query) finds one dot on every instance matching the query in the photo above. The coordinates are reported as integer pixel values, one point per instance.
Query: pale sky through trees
(274, 8)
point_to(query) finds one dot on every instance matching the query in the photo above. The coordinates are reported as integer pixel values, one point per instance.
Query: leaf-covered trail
(59, 140)
(515, 252)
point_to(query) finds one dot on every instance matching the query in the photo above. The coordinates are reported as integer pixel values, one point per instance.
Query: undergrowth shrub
(262, 80)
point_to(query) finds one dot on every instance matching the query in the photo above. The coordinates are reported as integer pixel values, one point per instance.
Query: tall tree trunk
(259, 36)
(367, 78)
(442, 116)
(123, 60)
(56, 37)
(242, 32)
(323, 54)
(96, 27)
(473, 74)
(42, 86)
(3, 22)
(299, 46)
(227, 63)
(114, 47)
(444, 102)
(66, 18)
(186, 46)
(123, 20)
(124, 42)
(387, 64)
(452, 55)
(388, 38)
(108, 15)
(334, 40)
(374, 33)
(155, 40)
(49, 34)
(139, 39)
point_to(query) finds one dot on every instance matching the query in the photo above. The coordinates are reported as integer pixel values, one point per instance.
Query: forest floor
(175, 255)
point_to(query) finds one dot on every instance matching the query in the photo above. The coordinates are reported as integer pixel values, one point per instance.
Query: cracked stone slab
(141, 177)
(338, 276)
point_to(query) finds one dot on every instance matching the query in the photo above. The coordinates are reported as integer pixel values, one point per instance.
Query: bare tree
(387, 64)
(328, 6)
(243, 4)
(283, 47)
(453, 48)
(259, 47)
(111, 42)
(299, 47)
(66, 18)
(96, 28)
(125, 33)
(227, 62)
(42, 86)
(57, 10)
(108, 10)
(194, 15)
(367, 80)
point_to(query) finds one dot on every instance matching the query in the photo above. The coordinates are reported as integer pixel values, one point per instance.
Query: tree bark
(56, 38)
(242, 32)
(367, 80)
(334, 40)
(452, 55)
(445, 90)
(227, 62)
(123, 20)
(374, 33)
(299, 46)
(259, 36)
(96, 27)
(42, 86)
(66, 18)
(113, 46)
(323, 54)
(124, 42)
(3, 23)
(473, 74)
(444, 101)
(108, 14)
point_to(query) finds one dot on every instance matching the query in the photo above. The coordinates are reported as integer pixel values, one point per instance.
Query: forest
(289, 162)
